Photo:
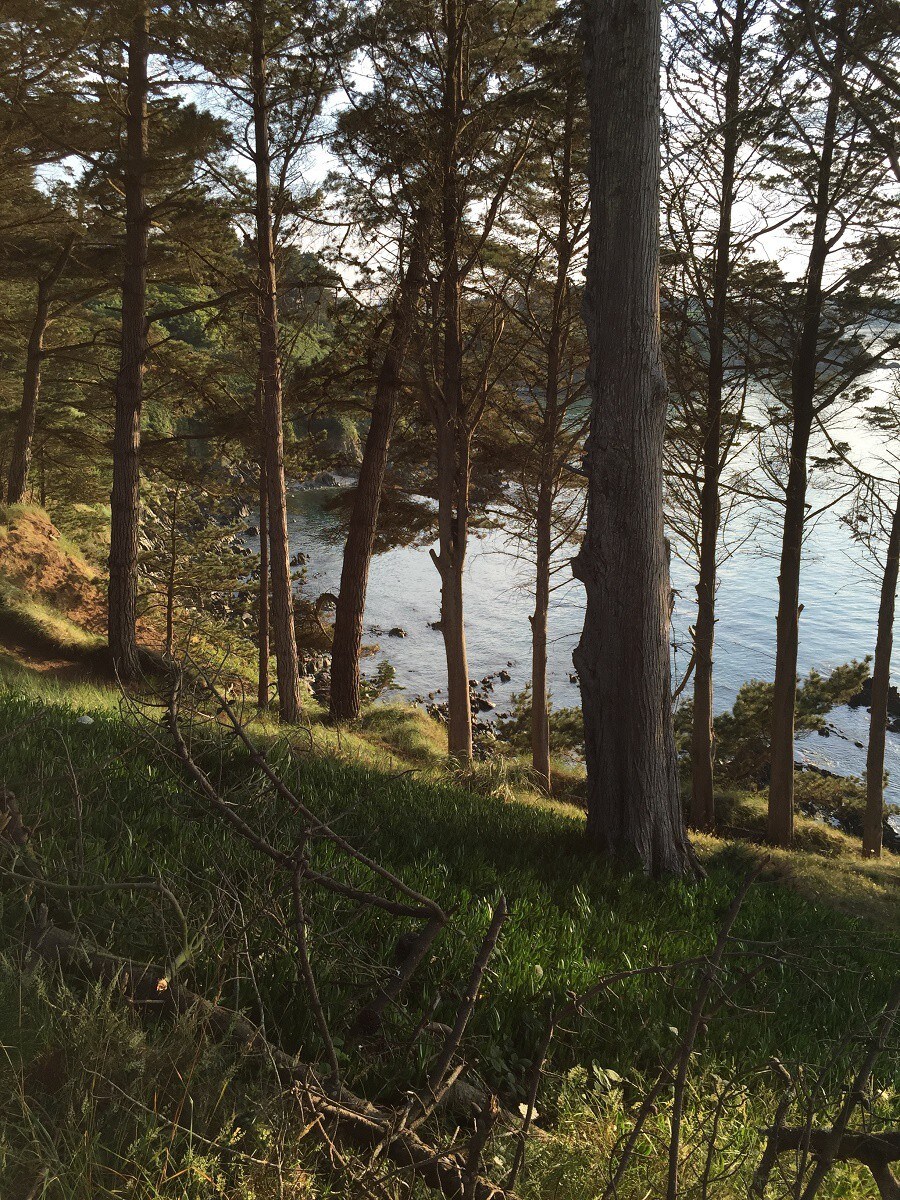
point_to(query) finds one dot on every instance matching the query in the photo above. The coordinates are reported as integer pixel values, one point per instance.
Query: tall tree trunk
(282, 608)
(17, 483)
(549, 471)
(873, 823)
(262, 684)
(803, 387)
(453, 530)
(540, 702)
(170, 582)
(451, 428)
(351, 604)
(703, 814)
(623, 657)
(124, 541)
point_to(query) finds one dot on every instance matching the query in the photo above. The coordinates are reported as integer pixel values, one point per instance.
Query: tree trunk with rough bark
(170, 581)
(351, 604)
(803, 389)
(450, 560)
(282, 608)
(703, 813)
(124, 542)
(20, 462)
(623, 657)
(549, 470)
(450, 418)
(262, 683)
(540, 705)
(873, 823)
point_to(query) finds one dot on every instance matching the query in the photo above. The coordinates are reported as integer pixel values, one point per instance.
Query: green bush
(566, 725)
(742, 735)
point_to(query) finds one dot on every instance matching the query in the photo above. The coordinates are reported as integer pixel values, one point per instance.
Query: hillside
(52, 600)
(108, 802)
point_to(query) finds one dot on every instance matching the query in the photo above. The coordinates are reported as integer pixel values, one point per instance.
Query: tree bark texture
(23, 440)
(453, 473)
(873, 822)
(262, 683)
(803, 390)
(453, 435)
(623, 657)
(282, 607)
(549, 468)
(125, 524)
(703, 815)
(170, 581)
(540, 704)
(348, 625)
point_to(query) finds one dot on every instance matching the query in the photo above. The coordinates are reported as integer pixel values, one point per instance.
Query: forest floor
(95, 1101)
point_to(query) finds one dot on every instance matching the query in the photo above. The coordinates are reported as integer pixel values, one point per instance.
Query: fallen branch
(874, 1150)
(344, 1117)
(833, 1138)
(695, 1022)
(337, 1113)
(863, 1147)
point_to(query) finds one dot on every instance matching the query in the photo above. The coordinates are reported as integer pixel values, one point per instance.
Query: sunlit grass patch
(29, 620)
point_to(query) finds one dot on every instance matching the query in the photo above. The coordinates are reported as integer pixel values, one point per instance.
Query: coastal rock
(863, 698)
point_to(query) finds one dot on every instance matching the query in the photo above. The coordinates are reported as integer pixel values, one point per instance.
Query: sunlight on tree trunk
(126, 486)
(873, 824)
(634, 807)
(282, 606)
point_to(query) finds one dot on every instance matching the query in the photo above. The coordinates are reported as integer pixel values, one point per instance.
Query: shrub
(742, 735)
(566, 725)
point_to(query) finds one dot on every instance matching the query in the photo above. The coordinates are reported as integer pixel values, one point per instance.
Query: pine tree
(634, 807)
(543, 423)
(275, 63)
(718, 82)
(835, 180)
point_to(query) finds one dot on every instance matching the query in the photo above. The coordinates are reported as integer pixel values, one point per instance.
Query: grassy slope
(91, 1095)
(51, 598)
(110, 804)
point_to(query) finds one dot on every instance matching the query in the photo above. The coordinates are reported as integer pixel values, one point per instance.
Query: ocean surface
(839, 591)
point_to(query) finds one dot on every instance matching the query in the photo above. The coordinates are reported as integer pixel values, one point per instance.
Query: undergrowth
(107, 801)
(36, 624)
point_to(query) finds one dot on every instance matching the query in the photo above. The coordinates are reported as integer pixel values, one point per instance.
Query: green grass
(25, 619)
(72, 535)
(109, 802)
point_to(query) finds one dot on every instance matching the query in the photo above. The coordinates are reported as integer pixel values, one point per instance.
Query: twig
(696, 1018)
(484, 1124)
(319, 828)
(470, 996)
(829, 1150)
(771, 1151)
(308, 976)
(348, 1118)
(534, 1084)
(126, 885)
